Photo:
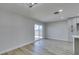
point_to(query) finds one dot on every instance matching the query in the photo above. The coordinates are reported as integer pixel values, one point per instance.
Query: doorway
(38, 29)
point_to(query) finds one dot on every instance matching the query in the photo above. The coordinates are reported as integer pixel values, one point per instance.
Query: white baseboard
(16, 47)
(59, 40)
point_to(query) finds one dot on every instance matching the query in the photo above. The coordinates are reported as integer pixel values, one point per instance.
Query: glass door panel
(38, 31)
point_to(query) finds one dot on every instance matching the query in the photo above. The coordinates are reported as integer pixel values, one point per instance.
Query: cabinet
(72, 28)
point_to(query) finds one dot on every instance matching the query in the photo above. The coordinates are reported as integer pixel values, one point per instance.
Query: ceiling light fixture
(59, 11)
(30, 4)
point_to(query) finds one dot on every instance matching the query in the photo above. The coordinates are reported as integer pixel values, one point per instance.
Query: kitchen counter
(75, 36)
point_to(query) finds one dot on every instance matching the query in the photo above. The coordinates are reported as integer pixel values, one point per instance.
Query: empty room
(39, 28)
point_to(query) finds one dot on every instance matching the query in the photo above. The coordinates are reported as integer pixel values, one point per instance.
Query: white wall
(15, 30)
(61, 30)
(57, 30)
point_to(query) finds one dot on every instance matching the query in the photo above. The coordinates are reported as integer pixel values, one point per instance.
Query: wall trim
(58, 40)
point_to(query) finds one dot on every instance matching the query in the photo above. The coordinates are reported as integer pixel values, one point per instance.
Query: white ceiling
(44, 11)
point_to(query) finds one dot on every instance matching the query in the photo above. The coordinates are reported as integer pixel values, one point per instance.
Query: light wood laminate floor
(44, 47)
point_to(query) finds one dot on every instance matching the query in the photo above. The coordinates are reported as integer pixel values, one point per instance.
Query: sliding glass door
(38, 29)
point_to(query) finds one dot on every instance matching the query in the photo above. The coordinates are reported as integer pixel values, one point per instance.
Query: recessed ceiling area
(44, 11)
